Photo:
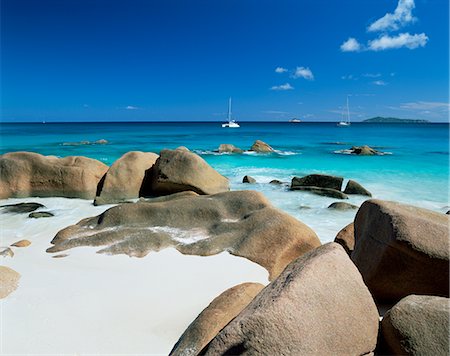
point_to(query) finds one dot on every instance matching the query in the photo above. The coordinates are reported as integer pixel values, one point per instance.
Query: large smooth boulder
(124, 179)
(401, 250)
(180, 170)
(318, 305)
(211, 320)
(417, 325)
(326, 192)
(260, 146)
(318, 180)
(243, 223)
(354, 187)
(28, 174)
(346, 238)
(229, 148)
(8, 281)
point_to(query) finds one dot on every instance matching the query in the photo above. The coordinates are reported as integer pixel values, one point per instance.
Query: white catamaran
(347, 121)
(231, 123)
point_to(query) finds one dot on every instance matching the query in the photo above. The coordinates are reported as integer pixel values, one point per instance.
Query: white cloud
(351, 45)
(302, 72)
(402, 40)
(393, 22)
(130, 107)
(349, 77)
(372, 75)
(280, 70)
(380, 82)
(426, 105)
(282, 87)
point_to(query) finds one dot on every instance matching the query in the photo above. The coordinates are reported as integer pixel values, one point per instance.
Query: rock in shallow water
(6, 252)
(228, 148)
(401, 250)
(327, 192)
(318, 305)
(342, 206)
(212, 319)
(242, 222)
(318, 180)
(261, 147)
(356, 188)
(248, 179)
(417, 325)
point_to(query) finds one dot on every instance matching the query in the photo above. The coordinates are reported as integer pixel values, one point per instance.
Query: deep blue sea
(414, 170)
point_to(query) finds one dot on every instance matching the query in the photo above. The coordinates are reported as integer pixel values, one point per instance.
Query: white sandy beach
(87, 303)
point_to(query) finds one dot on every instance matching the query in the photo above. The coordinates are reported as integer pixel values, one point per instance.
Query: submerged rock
(342, 206)
(125, 179)
(211, 320)
(346, 238)
(276, 182)
(228, 148)
(179, 170)
(318, 180)
(318, 305)
(9, 280)
(401, 250)
(327, 192)
(248, 179)
(356, 188)
(21, 208)
(243, 223)
(24, 174)
(41, 214)
(262, 147)
(21, 243)
(417, 325)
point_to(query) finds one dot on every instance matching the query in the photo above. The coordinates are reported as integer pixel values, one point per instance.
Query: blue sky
(98, 60)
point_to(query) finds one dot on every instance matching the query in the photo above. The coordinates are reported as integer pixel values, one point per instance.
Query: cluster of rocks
(258, 146)
(326, 185)
(134, 175)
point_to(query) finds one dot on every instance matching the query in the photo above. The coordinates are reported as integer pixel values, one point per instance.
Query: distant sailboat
(231, 123)
(347, 121)
(295, 120)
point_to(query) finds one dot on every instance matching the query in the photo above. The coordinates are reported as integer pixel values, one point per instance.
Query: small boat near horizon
(295, 120)
(345, 122)
(231, 123)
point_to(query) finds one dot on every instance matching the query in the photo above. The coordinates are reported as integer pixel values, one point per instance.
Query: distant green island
(394, 120)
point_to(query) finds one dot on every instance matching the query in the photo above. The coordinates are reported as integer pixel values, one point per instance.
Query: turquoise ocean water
(414, 170)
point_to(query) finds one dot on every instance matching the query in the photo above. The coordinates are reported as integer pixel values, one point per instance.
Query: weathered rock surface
(242, 222)
(417, 325)
(401, 250)
(21, 243)
(346, 238)
(179, 170)
(25, 174)
(318, 180)
(228, 148)
(210, 321)
(40, 214)
(248, 179)
(318, 305)
(125, 178)
(260, 146)
(9, 280)
(327, 192)
(342, 206)
(21, 208)
(354, 187)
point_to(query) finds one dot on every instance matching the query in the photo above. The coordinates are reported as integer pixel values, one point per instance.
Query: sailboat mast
(348, 111)
(229, 109)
